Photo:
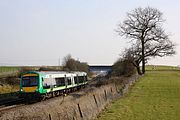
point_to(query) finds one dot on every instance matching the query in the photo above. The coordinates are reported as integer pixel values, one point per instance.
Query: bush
(123, 67)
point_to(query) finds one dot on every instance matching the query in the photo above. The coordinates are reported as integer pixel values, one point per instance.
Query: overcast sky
(39, 32)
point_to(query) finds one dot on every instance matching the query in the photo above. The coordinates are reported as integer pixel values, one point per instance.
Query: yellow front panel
(30, 89)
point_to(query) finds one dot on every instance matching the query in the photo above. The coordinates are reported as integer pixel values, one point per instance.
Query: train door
(66, 82)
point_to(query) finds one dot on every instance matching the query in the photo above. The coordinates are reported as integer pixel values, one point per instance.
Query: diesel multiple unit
(47, 83)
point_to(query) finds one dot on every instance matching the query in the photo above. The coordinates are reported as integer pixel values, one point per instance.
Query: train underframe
(36, 96)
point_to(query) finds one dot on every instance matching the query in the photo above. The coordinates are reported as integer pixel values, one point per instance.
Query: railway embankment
(81, 105)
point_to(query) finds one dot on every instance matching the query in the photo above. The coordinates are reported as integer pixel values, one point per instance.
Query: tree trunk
(136, 64)
(143, 59)
(138, 70)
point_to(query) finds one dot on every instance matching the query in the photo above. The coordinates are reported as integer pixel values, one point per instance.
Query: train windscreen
(29, 81)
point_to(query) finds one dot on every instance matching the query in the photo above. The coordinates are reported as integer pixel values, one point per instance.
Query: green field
(161, 67)
(4, 69)
(8, 69)
(156, 96)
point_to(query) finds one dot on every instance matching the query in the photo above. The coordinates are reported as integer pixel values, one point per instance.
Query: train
(46, 84)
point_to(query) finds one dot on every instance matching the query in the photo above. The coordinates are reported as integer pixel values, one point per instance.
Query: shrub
(123, 67)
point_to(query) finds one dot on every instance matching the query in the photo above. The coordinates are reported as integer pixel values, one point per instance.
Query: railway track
(3, 108)
(16, 102)
(6, 105)
(9, 104)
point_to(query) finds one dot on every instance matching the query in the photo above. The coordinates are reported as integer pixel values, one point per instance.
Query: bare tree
(70, 64)
(144, 28)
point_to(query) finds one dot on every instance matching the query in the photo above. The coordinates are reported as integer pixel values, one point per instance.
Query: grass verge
(156, 96)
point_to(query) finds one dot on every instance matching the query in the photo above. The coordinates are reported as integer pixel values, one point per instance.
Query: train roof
(60, 72)
(57, 73)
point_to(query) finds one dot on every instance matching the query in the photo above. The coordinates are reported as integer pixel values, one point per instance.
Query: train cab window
(45, 83)
(29, 81)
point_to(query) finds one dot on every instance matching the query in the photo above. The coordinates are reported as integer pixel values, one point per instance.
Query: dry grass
(8, 88)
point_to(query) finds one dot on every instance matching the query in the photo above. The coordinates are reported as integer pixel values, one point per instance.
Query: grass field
(156, 96)
(161, 67)
(8, 69)
(4, 69)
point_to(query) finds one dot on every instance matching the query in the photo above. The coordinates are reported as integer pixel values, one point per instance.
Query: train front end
(30, 85)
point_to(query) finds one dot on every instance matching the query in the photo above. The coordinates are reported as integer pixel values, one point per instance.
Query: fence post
(95, 100)
(80, 111)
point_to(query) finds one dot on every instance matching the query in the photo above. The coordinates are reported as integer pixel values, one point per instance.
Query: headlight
(37, 89)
